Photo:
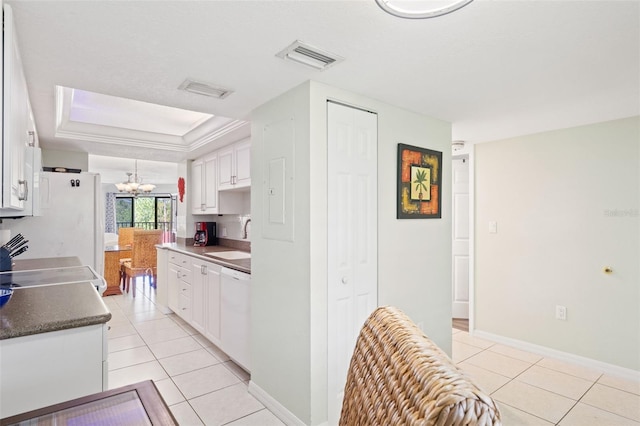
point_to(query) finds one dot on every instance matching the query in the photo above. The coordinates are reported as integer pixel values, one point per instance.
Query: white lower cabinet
(206, 299)
(235, 315)
(196, 295)
(198, 286)
(179, 285)
(173, 276)
(49, 368)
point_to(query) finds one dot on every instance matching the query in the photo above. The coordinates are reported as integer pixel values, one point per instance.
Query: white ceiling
(494, 69)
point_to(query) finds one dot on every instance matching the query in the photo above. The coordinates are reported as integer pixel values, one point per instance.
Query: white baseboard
(614, 370)
(286, 416)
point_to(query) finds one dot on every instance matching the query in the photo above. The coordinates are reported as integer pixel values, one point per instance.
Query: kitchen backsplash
(232, 226)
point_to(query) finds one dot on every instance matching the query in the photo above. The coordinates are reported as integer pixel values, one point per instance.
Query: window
(146, 212)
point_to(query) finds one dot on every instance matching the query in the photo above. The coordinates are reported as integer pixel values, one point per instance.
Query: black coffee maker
(205, 234)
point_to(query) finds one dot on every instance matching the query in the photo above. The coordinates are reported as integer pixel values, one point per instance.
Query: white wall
(69, 159)
(566, 205)
(289, 278)
(280, 332)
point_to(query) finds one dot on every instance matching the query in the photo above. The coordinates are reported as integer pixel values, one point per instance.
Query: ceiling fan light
(393, 8)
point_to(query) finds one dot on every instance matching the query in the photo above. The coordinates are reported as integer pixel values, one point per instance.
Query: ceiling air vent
(309, 55)
(205, 89)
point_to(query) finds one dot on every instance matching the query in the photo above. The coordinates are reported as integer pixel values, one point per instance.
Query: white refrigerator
(71, 221)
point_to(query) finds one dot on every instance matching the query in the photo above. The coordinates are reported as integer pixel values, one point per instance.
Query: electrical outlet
(224, 232)
(561, 312)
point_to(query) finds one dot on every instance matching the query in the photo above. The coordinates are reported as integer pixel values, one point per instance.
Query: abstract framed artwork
(419, 183)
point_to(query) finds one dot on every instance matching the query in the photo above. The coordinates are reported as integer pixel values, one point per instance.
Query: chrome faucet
(244, 235)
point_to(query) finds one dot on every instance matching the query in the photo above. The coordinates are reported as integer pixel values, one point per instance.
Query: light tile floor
(197, 380)
(202, 386)
(533, 390)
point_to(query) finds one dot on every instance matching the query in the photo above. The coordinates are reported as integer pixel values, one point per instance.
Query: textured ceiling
(495, 69)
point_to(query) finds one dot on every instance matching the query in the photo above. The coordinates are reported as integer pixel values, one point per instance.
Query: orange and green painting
(419, 182)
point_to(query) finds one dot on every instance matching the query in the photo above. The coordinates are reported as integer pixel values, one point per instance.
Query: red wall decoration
(181, 188)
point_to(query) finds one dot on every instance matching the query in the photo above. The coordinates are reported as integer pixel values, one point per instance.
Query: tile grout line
(169, 376)
(604, 409)
(165, 370)
(579, 399)
(537, 363)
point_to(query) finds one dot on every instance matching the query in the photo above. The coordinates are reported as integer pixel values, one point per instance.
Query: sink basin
(230, 255)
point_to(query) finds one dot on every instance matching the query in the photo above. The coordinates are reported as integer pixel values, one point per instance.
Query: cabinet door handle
(203, 269)
(25, 193)
(178, 274)
(32, 138)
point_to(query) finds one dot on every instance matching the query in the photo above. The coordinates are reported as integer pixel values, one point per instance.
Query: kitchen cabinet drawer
(179, 259)
(184, 307)
(185, 289)
(185, 275)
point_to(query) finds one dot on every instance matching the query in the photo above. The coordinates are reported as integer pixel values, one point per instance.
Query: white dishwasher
(235, 315)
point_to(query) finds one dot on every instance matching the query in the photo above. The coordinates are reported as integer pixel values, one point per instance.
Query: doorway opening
(461, 237)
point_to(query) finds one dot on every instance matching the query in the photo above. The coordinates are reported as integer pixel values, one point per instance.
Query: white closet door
(352, 238)
(460, 308)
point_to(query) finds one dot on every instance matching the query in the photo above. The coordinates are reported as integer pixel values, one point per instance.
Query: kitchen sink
(230, 255)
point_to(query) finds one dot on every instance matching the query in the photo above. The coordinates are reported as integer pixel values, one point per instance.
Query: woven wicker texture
(143, 256)
(125, 236)
(398, 376)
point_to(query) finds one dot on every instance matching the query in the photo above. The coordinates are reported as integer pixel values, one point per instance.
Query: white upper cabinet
(213, 175)
(19, 136)
(235, 166)
(204, 175)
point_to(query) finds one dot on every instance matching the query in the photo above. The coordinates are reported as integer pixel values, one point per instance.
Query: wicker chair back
(398, 376)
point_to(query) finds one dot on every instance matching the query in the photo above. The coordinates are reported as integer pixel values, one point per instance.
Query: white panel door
(461, 238)
(352, 238)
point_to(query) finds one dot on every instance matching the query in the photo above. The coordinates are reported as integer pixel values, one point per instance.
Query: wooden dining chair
(143, 260)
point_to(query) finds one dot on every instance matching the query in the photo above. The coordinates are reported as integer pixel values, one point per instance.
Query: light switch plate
(493, 227)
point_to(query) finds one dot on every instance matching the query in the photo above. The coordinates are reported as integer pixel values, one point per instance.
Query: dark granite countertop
(45, 263)
(242, 265)
(36, 310)
(41, 309)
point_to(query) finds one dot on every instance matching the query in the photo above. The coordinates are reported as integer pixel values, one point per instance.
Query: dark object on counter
(19, 251)
(61, 170)
(15, 247)
(140, 403)
(205, 234)
(5, 260)
(14, 242)
(5, 295)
